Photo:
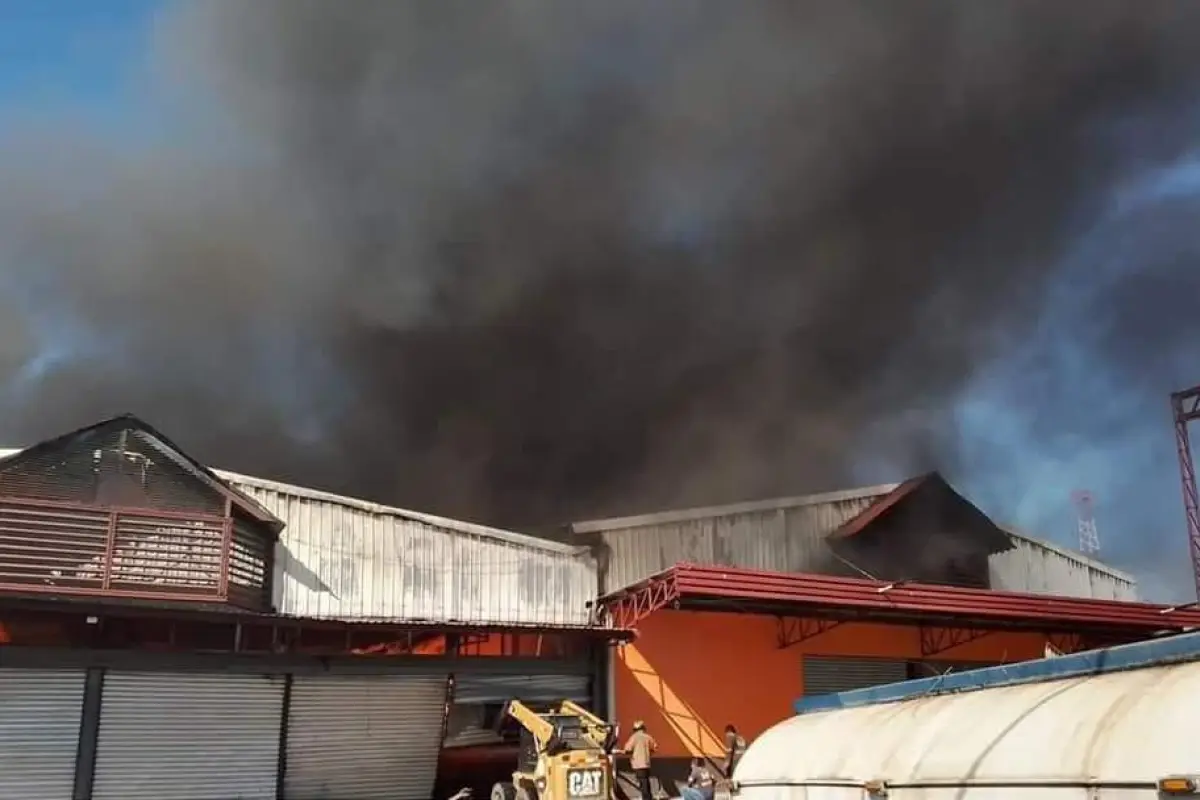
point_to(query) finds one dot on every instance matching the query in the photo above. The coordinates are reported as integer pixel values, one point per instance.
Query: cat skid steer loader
(565, 755)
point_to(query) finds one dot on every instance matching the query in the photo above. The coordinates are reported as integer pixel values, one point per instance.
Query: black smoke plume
(529, 261)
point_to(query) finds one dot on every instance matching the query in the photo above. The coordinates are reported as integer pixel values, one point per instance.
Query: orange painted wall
(689, 674)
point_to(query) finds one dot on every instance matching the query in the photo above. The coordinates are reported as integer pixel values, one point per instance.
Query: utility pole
(1186, 408)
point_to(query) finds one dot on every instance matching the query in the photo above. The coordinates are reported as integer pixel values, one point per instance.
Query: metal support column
(89, 732)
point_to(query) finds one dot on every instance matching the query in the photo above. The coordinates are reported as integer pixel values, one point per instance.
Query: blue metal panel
(1172, 650)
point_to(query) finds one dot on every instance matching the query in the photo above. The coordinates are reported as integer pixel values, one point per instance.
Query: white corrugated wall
(786, 538)
(341, 558)
(1041, 568)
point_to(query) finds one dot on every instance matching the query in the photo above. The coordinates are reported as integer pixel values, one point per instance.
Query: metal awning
(838, 599)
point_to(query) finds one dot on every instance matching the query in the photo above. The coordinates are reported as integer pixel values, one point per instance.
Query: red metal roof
(877, 509)
(759, 591)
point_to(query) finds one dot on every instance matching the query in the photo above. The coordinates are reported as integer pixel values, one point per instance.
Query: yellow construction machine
(565, 755)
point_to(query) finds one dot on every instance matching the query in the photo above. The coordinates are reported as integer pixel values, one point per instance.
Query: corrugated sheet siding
(789, 539)
(1030, 567)
(188, 736)
(529, 688)
(363, 737)
(831, 674)
(39, 732)
(339, 561)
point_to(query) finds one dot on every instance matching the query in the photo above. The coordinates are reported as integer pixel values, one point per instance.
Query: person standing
(735, 745)
(640, 749)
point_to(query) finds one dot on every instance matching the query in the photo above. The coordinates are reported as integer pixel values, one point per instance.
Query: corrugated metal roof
(1154, 653)
(818, 595)
(947, 503)
(731, 509)
(361, 560)
(164, 445)
(307, 493)
(1065, 552)
(369, 507)
(880, 507)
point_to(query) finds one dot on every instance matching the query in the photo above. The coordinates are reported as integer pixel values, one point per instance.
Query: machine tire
(504, 791)
(527, 791)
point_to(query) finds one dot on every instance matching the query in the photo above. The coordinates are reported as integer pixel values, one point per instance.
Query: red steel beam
(880, 599)
(794, 630)
(936, 640)
(1186, 408)
(625, 609)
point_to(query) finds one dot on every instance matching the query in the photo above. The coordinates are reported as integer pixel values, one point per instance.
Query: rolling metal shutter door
(827, 674)
(531, 688)
(360, 737)
(181, 736)
(40, 710)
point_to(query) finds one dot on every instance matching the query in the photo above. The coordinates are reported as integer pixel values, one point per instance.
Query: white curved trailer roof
(1101, 725)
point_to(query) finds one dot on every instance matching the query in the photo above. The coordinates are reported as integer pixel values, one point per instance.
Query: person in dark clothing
(735, 745)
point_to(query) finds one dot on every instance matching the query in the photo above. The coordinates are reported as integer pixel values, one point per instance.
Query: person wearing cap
(640, 749)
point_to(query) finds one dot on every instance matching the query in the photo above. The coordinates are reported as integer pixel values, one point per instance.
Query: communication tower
(1186, 406)
(1089, 537)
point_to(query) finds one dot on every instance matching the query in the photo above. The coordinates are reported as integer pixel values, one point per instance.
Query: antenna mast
(1186, 408)
(1089, 537)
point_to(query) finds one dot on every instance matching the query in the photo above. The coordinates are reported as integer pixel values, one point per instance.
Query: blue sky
(74, 56)
(84, 59)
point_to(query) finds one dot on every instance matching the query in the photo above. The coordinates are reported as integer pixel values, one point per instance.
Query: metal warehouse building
(742, 608)
(921, 529)
(170, 633)
(175, 632)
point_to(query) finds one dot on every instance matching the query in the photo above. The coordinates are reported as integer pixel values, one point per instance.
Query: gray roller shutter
(470, 724)
(39, 732)
(359, 737)
(531, 688)
(827, 674)
(181, 736)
